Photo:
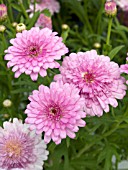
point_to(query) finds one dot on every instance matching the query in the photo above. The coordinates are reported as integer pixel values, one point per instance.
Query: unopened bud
(110, 8)
(6, 115)
(65, 26)
(20, 27)
(97, 45)
(7, 103)
(3, 12)
(2, 28)
(14, 24)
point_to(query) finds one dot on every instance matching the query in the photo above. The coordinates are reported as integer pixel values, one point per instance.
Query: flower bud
(97, 45)
(14, 24)
(3, 12)
(20, 27)
(2, 28)
(7, 103)
(65, 26)
(110, 8)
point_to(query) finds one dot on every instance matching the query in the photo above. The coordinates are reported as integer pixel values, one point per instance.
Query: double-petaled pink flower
(21, 148)
(97, 78)
(35, 51)
(56, 111)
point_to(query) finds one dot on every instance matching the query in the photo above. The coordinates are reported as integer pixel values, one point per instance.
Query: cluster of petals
(123, 4)
(34, 51)
(56, 111)
(44, 21)
(97, 77)
(21, 148)
(52, 5)
(124, 68)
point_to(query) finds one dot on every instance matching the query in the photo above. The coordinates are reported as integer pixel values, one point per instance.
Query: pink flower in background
(21, 148)
(3, 12)
(52, 5)
(56, 111)
(35, 51)
(97, 78)
(124, 68)
(123, 4)
(44, 21)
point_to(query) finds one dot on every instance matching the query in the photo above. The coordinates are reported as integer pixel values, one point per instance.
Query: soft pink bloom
(124, 68)
(35, 51)
(110, 8)
(123, 4)
(21, 148)
(97, 77)
(56, 111)
(3, 12)
(52, 5)
(44, 21)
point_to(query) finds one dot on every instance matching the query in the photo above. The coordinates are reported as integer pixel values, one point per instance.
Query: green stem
(117, 126)
(23, 9)
(109, 31)
(94, 142)
(34, 6)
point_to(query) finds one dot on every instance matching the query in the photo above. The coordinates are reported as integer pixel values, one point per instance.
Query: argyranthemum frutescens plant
(65, 93)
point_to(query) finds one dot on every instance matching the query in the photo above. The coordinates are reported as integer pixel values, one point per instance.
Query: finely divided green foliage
(103, 137)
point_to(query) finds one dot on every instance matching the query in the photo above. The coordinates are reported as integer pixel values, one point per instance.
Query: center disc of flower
(13, 148)
(88, 77)
(53, 111)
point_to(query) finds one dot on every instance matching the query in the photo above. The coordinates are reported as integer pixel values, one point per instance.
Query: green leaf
(114, 51)
(31, 22)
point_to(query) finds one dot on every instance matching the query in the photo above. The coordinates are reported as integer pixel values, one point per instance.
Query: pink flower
(21, 148)
(97, 78)
(44, 21)
(35, 51)
(3, 12)
(123, 4)
(52, 5)
(56, 111)
(110, 8)
(124, 68)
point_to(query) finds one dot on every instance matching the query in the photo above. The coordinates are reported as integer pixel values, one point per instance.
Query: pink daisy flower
(44, 21)
(21, 148)
(35, 51)
(56, 111)
(97, 78)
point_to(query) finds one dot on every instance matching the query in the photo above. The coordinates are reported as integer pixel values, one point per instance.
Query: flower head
(52, 5)
(44, 21)
(110, 8)
(3, 12)
(97, 78)
(56, 111)
(123, 4)
(124, 68)
(34, 51)
(20, 148)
